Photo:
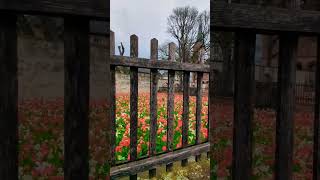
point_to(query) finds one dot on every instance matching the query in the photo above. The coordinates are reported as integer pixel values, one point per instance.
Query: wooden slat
(211, 119)
(243, 105)
(199, 110)
(113, 100)
(8, 97)
(264, 18)
(185, 114)
(153, 162)
(161, 64)
(286, 101)
(316, 145)
(92, 8)
(76, 100)
(170, 104)
(133, 102)
(315, 5)
(110, 143)
(288, 46)
(153, 100)
(153, 104)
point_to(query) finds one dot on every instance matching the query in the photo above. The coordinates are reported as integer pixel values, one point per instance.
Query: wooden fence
(78, 20)
(245, 18)
(286, 19)
(135, 165)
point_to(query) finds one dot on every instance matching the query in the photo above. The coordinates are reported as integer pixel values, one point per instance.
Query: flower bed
(41, 136)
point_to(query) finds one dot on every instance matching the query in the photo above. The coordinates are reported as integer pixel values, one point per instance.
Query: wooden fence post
(288, 43)
(76, 100)
(185, 114)
(198, 110)
(286, 101)
(109, 106)
(153, 104)
(243, 104)
(170, 104)
(315, 5)
(8, 97)
(113, 100)
(211, 119)
(133, 102)
(316, 145)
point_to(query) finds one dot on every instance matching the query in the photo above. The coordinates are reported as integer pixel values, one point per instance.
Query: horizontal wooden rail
(97, 9)
(158, 64)
(265, 19)
(152, 162)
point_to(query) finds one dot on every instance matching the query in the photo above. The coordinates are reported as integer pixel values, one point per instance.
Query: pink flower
(164, 148)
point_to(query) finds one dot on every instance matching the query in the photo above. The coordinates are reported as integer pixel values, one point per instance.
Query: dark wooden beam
(152, 162)
(243, 105)
(76, 98)
(286, 101)
(110, 106)
(235, 16)
(8, 97)
(288, 49)
(161, 64)
(112, 101)
(316, 145)
(97, 9)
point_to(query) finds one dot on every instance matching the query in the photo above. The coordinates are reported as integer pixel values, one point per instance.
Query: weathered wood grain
(288, 46)
(170, 104)
(185, 114)
(112, 44)
(243, 105)
(315, 5)
(133, 102)
(211, 119)
(170, 110)
(316, 136)
(8, 97)
(110, 122)
(113, 114)
(153, 162)
(153, 104)
(263, 18)
(97, 9)
(199, 110)
(112, 100)
(76, 100)
(160, 64)
(153, 100)
(286, 101)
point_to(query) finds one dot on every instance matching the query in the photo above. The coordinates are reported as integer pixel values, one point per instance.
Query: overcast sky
(147, 19)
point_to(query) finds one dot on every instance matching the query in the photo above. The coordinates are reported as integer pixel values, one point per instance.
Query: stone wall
(41, 69)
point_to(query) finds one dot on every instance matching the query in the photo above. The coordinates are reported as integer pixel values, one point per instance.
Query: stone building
(269, 54)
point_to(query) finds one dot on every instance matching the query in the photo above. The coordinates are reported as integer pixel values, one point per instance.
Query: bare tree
(163, 52)
(201, 48)
(182, 25)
